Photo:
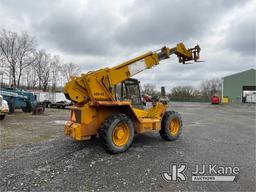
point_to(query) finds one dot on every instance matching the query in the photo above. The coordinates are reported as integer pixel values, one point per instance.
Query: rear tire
(11, 109)
(93, 137)
(11, 104)
(2, 117)
(171, 126)
(28, 108)
(117, 133)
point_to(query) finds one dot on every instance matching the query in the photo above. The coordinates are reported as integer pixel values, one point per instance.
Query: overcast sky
(104, 33)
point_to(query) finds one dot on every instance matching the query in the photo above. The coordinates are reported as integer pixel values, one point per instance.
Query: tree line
(206, 89)
(23, 65)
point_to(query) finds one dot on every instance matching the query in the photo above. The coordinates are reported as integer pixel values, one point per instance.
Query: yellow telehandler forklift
(104, 102)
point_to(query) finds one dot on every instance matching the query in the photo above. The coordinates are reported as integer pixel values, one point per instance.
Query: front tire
(171, 126)
(117, 133)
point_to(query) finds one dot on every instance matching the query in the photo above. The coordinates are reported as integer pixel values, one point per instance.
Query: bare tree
(55, 69)
(70, 69)
(16, 51)
(149, 89)
(42, 66)
(183, 92)
(211, 87)
(33, 78)
(38, 66)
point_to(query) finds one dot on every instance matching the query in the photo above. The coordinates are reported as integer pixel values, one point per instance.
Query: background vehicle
(60, 104)
(98, 111)
(215, 99)
(20, 99)
(52, 99)
(146, 98)
(4, 109)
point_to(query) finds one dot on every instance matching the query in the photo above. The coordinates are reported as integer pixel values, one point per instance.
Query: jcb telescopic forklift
(103, 102)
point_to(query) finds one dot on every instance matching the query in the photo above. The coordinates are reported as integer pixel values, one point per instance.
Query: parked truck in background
(4, 109)
(52, 99)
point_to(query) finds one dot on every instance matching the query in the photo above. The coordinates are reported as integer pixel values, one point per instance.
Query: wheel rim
(174, 126)
(121, 134)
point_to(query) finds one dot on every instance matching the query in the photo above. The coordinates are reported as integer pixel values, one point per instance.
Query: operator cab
(130, 90)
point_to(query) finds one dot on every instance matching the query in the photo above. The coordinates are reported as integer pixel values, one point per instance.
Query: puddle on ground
(195, 123)
(59, 122)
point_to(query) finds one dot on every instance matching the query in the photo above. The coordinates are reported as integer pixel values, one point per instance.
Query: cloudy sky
(104, 33)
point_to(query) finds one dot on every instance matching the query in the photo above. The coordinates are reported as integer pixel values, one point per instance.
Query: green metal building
(238, 86)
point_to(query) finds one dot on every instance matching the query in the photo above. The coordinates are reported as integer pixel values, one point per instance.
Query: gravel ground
(35, 154)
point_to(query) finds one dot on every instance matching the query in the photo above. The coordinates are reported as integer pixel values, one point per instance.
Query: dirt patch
(22, 128)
